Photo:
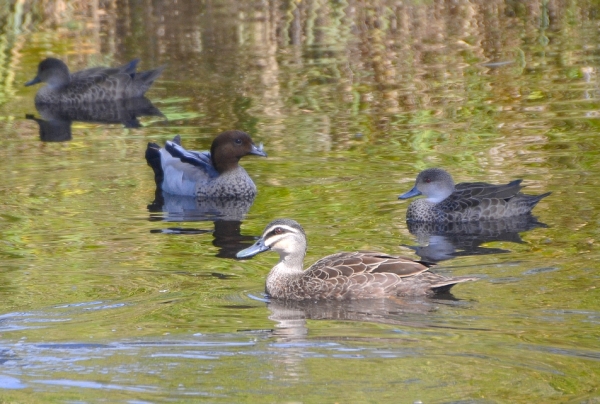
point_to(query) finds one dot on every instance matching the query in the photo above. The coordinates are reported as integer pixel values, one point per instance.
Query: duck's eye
(278, 230)
(238, 141)
(428, 180)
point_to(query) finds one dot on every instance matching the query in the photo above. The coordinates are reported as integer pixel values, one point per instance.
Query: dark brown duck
(346, 275)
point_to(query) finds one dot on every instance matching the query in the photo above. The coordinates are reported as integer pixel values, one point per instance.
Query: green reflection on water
(351, 101)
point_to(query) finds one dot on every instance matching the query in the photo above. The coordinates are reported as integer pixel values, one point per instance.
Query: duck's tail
(531, 200)
(143, 80)
(538, 198)
(446, 285)
(153, 160)
(130, 67)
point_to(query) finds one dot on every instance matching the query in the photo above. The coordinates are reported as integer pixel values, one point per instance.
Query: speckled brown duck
(205, 175)
(346, 275)
(464, 202)
(98, 84)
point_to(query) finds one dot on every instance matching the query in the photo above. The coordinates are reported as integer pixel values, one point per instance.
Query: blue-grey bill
(411, 193)
(258, 150)
(32, 82)
(254, 249)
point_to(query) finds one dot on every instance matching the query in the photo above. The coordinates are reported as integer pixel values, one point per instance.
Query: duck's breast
(232, 184)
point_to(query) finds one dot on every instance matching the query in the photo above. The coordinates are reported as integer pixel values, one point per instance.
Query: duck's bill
(32, 82)
(254, 249)
(258, 150)
(411, 193)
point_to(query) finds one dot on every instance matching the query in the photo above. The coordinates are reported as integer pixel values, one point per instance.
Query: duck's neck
(59, 80)
(287, 270)
(223, 161)
(437, 198)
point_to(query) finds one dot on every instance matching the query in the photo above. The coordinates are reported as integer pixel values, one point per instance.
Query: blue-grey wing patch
(198, 159)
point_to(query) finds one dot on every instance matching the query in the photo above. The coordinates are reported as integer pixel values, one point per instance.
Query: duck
(446, 202)
(98, 84)
(341, 276)
(205, 175)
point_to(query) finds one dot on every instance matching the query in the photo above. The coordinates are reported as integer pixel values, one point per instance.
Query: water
(108, 299)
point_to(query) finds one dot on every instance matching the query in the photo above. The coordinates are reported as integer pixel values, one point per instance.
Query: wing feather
(198, 159)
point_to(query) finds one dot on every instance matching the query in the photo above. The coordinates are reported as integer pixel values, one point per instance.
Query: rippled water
(108, 296)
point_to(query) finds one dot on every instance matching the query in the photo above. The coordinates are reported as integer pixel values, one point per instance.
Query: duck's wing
(100, 85)
(108, 83)
(194, 158)
(101, 71)
(485, 190)
(471, 194)
(350, 264)
(114, 82)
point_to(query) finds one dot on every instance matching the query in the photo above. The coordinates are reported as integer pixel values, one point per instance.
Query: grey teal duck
(445, 202)
(205, 175)
(345, 275)
(98, 84)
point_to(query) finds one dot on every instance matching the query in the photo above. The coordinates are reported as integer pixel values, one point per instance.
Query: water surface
(106, 298)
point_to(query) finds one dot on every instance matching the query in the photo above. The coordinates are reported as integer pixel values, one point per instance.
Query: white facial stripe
(282, 226)
(273, 239)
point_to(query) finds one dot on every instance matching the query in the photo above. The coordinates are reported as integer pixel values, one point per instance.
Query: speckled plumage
(205, 175)
(465, 202)
(346, 275)
(98, 84)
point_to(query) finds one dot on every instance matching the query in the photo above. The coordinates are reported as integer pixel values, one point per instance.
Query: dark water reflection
(351, 99)
(226, 215)
(56, 120)
(444, 241)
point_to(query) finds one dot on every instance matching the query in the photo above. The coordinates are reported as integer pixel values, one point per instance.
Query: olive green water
(102, 300)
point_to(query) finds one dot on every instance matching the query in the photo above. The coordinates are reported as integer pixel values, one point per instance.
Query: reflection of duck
(56, 119)
(443, 241)
(465, 202)
(206, 175)
(180, 208)
(291, 315)
(348, 275)
(98, 84)
(227, 216)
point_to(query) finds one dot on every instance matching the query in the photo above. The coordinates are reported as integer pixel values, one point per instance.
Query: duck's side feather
(358, 275)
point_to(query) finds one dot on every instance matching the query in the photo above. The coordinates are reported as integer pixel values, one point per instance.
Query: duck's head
(284, 236)
(52, 71)
(229, 147)
(435, 183)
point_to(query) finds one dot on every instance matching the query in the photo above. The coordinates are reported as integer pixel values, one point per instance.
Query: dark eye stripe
(279, 230)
